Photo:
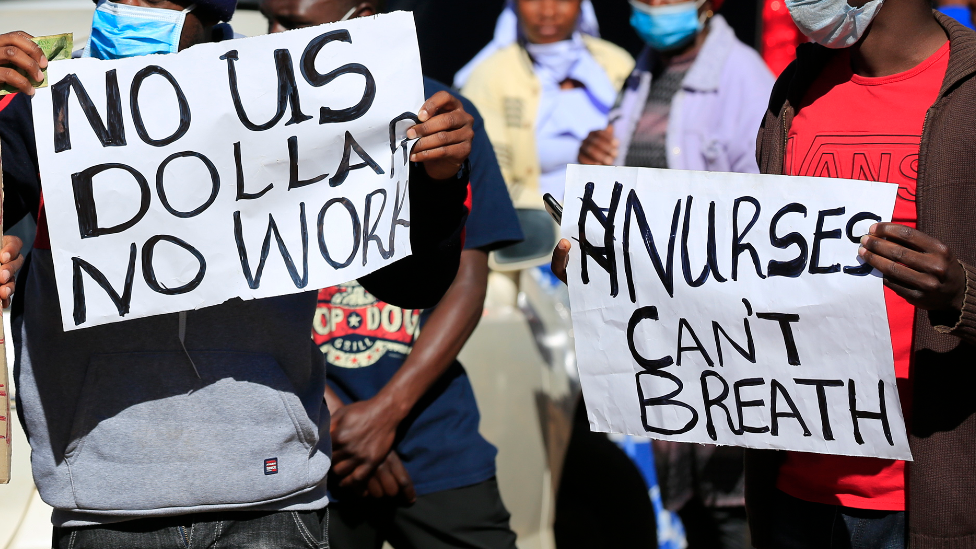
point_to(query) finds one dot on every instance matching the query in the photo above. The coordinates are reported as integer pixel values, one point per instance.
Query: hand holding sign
(916, 266)
(445, 134)
(10, 263)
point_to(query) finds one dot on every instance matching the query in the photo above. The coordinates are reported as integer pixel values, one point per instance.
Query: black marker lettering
(682, 325)
(775, 388)
(241, 195)
(865, 268)
(356, 232)
(603, 255)
(287, 92)
(370, 235)
(749, 355)
(254, 281)
(137, 113)
(795, 266)
(149, 272)
(665, 274)
(653, 367)
(717, 401)
(821, 235)
(317, 79)
(78, 286)
(403, 143)
(685, 260)
(214, 182)
(861, 414)
(344, 168)
(737, 246)
(82, 183)
(111, 136)
(792, 356)
(740, 404)
(293, 181)
(822, 400)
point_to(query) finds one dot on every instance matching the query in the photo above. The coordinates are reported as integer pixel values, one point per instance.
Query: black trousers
(471, 517)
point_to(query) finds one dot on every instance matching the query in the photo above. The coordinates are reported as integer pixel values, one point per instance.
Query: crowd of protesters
(390, 449)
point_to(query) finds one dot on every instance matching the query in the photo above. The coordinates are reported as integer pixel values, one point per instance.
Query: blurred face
(285, 15)
(548, 21)
(196, 29)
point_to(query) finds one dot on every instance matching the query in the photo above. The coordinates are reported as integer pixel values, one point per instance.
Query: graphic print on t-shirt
(888, 158)
(854, 127)
(354, 329)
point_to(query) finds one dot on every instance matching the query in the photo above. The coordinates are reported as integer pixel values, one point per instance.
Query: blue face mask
(667, 27)
(120, 31)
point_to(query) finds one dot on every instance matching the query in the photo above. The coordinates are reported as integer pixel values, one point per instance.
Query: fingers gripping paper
(248, 168)
(732, 309)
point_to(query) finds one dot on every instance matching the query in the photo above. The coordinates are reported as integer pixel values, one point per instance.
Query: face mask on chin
(119, 31)
(833, 23)
(667, 27)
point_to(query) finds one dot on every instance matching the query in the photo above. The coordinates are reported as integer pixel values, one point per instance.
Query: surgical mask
(120, 30)
(833, 23)
(558, 58)
(667, 27)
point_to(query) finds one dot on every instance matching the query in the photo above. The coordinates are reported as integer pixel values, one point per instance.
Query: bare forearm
(332, 400)
(443, 336)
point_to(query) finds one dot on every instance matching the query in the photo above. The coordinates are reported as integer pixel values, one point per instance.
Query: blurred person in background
(780, 36)
(542, 95)
(410, 465)
(960, 10)
(694, 102)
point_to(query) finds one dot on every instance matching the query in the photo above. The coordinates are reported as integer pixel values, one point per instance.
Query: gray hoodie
(121, 427)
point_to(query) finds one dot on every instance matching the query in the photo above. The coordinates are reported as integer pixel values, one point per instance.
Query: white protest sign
(247, 168)
(732, 309)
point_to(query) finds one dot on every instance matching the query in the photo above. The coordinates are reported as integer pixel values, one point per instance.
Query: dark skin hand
(445, 130)
(600, 148)
(916, 266)
(10, 263)
(363, 432)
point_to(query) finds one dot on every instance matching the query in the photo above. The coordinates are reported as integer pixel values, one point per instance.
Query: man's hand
(17, 51)
(10, 263)
(445, 134)
(916, 266)
(391, 480)
(362, 436)
(560, 259)
(599, 148)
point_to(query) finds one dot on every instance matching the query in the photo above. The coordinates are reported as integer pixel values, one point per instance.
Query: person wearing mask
(885, 93)
(410, 466)
(693, 102)
(129, 445)
(543, 94)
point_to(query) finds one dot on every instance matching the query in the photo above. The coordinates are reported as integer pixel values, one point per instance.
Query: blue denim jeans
(239, 530)
(800, 524)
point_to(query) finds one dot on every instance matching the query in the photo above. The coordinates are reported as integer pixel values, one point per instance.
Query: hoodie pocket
(148, 434)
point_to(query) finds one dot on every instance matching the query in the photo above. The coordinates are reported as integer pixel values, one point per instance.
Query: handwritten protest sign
(247, 168)
(732, 309)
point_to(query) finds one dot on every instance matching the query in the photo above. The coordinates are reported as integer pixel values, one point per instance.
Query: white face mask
(833, 23)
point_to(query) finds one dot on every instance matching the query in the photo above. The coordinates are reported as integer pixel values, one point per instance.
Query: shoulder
(614, 59)
(502, 62)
